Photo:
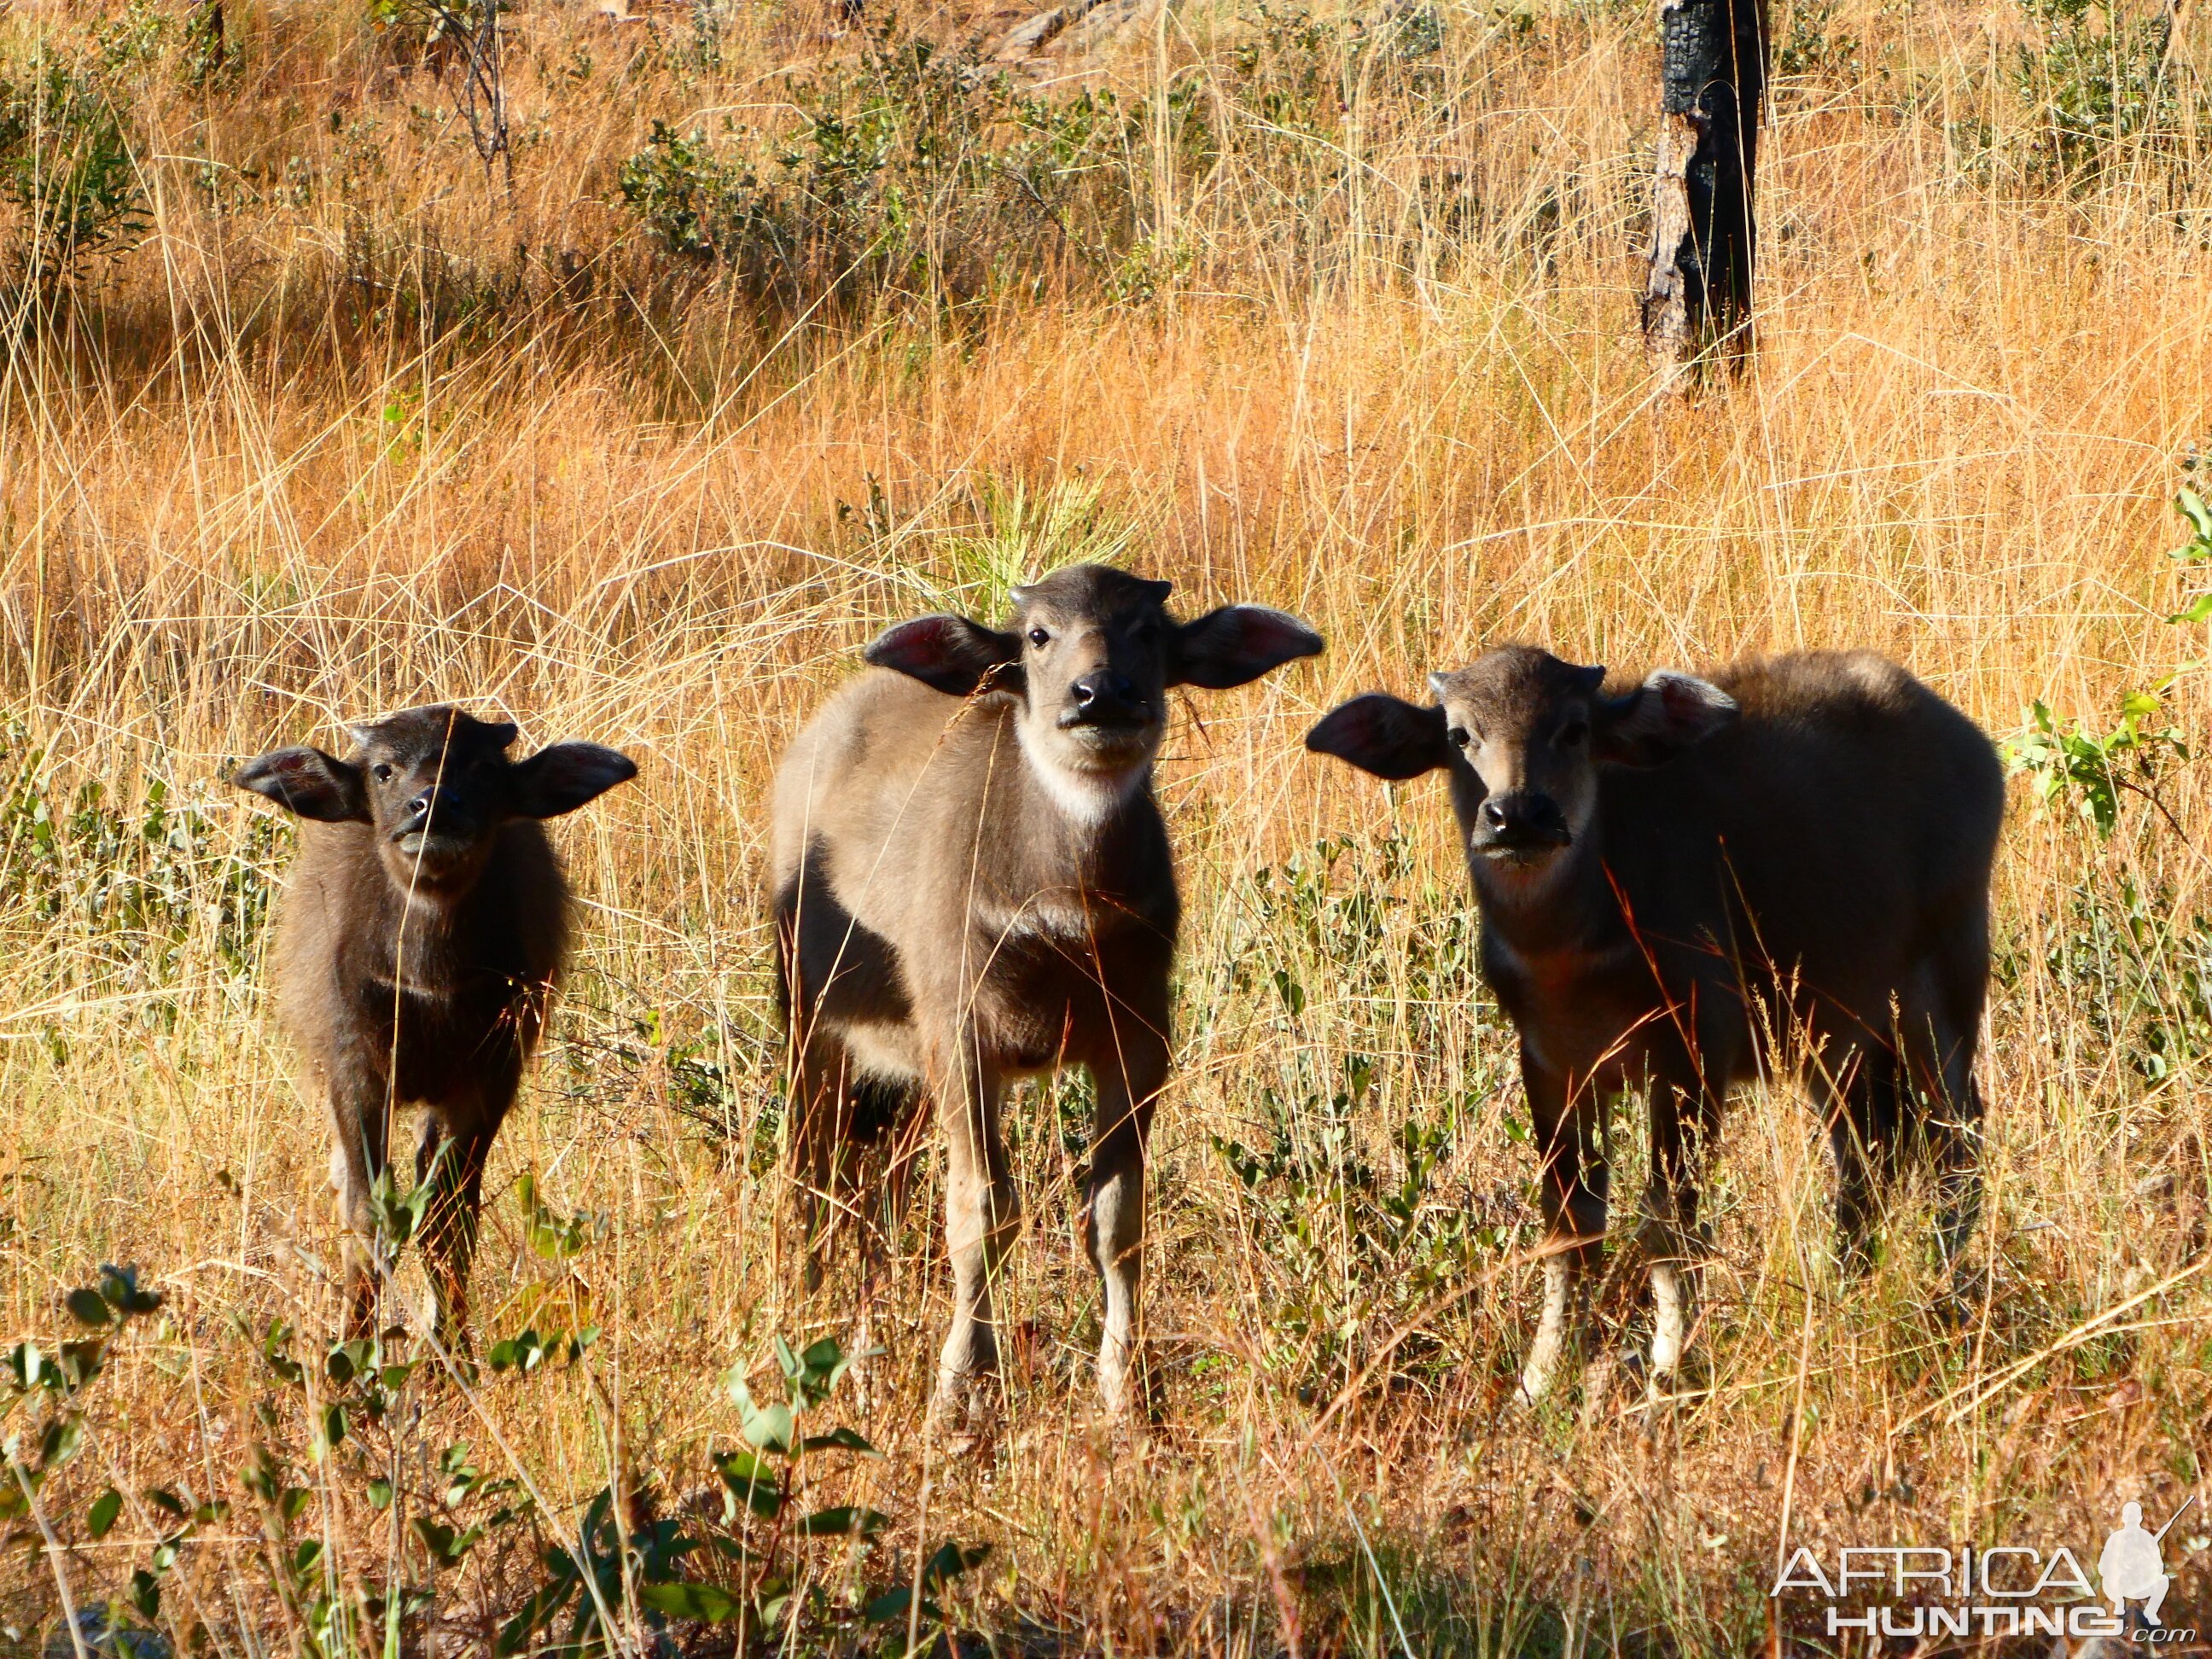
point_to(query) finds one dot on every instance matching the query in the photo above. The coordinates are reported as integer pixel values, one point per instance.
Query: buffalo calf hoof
(961, 1414)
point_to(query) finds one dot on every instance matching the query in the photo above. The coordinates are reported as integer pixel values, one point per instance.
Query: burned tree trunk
(1712, 81)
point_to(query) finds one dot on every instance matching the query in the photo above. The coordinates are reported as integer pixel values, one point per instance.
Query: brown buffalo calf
(1677, 877)
(418, 941)
(973, 885)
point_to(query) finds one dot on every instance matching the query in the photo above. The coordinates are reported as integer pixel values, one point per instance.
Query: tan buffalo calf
(974, 884)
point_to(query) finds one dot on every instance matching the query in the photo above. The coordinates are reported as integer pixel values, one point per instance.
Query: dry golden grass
(258, 476)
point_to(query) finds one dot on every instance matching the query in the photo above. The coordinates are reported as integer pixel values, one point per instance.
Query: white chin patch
(1517, 876)
(1085, 797)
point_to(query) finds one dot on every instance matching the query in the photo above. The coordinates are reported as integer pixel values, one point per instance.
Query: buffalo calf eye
(1571, 735)
(1038, 636)
(381, 772)
(1458, 736)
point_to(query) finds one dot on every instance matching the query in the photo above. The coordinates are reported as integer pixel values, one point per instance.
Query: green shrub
(67, 169)
(914, 176)
(921, 175)
(2097, 83)
(138, 877)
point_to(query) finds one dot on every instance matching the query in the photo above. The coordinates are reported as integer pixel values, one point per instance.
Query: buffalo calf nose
(1104, 689)
(1535, 817)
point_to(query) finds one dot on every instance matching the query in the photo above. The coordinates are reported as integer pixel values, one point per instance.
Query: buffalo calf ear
(1385, 735)
(563, 777)
(945, 652)
(1237, 644)
(1665, 715)
(308, 782)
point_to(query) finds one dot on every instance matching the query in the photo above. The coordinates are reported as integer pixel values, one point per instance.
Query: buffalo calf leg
(821, 1131)
(1673, 1299)
(357, 1158)
(1571, 1191)
(1683, 1119)
(1951, 1129)
(1958, 1174)
(879, 1250)
(1559, 1327)
(980, 1212)
(455, 1166)
(1862, 1116)
(1114, 1219)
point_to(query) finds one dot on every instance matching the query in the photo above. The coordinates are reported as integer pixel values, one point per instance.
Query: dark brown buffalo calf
(1679, 878)
(418, 942)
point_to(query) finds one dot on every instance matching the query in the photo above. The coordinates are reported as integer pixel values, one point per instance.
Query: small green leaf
(78, 1363)
(105, 1509)
(843, 1522)
(814, 1373)
(121, 1288)
(259, 1476)
(950, 1562)
(27, 1368)
(277, 1348)
(60, 1443)
(753, 1482)
(838, 1439)
(770, 1597)
(2200, 610)
(380, 1493)
(706, 1602)
(447, 1546)
(2191, 506)
(770, 1428)
(89, 1308)
(892, 1606)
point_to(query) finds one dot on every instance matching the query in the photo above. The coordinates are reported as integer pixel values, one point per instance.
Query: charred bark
(1704, 229)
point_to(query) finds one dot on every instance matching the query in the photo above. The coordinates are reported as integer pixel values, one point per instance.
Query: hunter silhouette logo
(2131, 1567)
(1908, 1591)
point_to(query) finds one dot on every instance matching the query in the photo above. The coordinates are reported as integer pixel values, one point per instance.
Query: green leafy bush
(917, 175)
(137, 877)
(921, 176)
(2098, 84)
(2141, 971)
(2196, 550)
(68, 171)
(2138, 971)
(2091, 769)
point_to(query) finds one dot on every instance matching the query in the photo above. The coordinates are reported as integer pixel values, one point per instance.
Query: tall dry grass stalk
(355, 428)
